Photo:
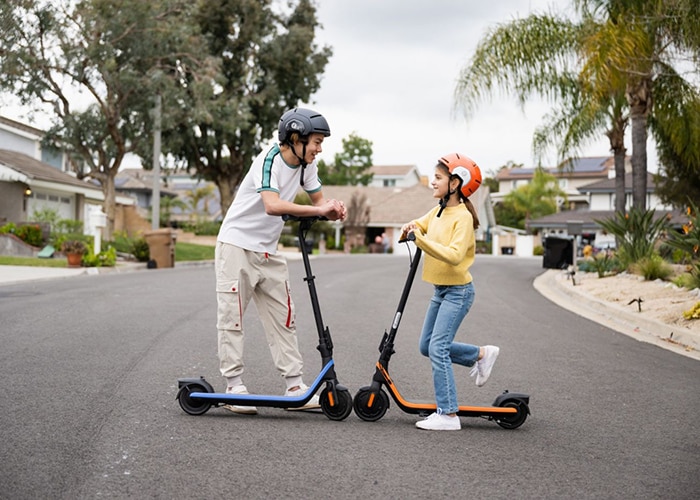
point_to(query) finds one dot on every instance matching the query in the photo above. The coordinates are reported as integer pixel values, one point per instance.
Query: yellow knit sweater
(449, 245)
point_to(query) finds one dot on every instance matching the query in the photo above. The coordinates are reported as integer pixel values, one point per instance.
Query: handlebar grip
(409, 237)
(309, 218)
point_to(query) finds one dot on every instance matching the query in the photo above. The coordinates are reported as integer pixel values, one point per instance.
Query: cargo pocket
(229, 311)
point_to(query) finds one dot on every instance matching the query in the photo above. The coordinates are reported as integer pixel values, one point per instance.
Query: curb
(672, 337)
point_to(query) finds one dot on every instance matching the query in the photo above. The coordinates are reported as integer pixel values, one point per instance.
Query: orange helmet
(466, 169)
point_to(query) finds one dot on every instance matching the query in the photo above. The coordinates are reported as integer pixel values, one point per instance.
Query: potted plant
(74, 251)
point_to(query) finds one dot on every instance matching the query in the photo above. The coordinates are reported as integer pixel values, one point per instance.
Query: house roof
(595, 166)
(608, 185)
(588, 217)
(137, 179)
(392, 170)
(394, 206)
(21, 126)
(35, 169)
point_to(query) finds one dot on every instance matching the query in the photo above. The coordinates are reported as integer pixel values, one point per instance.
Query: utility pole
(155, 199)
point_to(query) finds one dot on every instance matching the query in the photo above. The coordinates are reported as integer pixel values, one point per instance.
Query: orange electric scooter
(509, 410)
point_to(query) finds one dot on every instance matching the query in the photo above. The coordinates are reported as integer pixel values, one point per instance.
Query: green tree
(203, 194)
(536, 199)
(648, 38)
(591, 68)
(95, 65)
(351, 166)
(269, 63)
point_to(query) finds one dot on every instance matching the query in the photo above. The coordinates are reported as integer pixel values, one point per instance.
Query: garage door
(63, 204)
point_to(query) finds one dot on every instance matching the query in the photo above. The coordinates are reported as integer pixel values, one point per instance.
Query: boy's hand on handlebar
(334, 210)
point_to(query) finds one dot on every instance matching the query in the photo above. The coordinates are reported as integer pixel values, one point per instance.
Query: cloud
(392, 79)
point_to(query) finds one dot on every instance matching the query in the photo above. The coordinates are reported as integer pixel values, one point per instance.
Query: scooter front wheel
(370, 407)
(340, 409)
(189, 405)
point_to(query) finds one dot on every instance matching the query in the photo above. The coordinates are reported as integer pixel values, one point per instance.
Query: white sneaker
(310, 405)
(439, 422)
(485, 364)
(244, 410)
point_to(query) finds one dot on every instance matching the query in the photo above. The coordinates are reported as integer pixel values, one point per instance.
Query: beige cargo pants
(242, 275)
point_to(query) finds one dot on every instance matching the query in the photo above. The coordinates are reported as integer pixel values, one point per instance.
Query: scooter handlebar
(407, 237)
(309, 218)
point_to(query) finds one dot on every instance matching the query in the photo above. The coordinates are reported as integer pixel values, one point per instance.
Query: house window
(563, 183)
(389, 182)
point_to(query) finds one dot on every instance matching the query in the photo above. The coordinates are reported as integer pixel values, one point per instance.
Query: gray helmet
(304, 122)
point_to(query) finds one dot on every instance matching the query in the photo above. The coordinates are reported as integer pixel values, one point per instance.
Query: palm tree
(648, 36)
(591, 67)
(538, 198)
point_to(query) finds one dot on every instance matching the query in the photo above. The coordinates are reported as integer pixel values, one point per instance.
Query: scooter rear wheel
(513, 421)
(189, 405)
(341, 409)
(380, 404)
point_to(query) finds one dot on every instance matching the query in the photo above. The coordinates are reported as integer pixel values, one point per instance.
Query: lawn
(183, 252)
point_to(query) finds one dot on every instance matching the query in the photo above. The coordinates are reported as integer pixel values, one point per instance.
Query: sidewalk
(672, 337)
(10, 275)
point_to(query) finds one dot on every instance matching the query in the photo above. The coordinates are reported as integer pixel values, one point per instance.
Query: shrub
(636, 232)
(653, 268)
(693, 312)
(140, 250)
(602, 263)
(106, 258)
(688, 240)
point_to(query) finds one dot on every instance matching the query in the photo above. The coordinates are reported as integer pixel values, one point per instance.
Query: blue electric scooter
(196, 395)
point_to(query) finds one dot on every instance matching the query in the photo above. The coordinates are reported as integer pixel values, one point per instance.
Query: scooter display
(509, 410)
(196, 396)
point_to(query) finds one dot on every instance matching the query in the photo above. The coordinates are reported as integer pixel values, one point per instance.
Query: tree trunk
(639, 98)
(109, 206)
(620, 195)
(226, 193)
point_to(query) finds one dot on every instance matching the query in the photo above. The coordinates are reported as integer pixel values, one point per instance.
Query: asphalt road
(90, 367)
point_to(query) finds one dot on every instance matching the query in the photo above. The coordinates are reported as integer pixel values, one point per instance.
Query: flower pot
(74, 259)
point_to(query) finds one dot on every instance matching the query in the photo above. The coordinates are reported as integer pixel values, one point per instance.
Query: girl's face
(440, 183)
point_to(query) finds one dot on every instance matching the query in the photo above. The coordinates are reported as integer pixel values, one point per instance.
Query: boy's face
(313, 147)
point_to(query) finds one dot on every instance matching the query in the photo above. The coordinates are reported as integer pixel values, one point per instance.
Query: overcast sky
(393, 74)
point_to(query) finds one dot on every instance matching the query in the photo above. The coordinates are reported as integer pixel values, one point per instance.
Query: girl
(446, 236)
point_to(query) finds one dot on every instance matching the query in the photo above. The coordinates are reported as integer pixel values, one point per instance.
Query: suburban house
(571, 175)
(33, 178)
(590, 187)
(399, 176)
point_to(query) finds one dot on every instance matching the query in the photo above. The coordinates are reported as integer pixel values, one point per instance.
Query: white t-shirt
(246, 224)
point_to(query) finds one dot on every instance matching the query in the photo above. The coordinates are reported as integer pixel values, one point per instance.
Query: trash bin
(161, 245)
(558, 253)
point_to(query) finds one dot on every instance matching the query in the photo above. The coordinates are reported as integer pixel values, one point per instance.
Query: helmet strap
(301, 160)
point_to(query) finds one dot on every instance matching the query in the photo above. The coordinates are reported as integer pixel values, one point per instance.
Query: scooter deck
(222, 398)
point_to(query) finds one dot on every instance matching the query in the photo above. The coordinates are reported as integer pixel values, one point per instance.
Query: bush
(636, 232)
(106, 258)
(693, 312)
(602, 263)
(140, 250)
(29, 233)
(653, 268)
(689, 280)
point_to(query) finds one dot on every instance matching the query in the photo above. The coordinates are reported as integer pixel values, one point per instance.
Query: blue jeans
(448, 307)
